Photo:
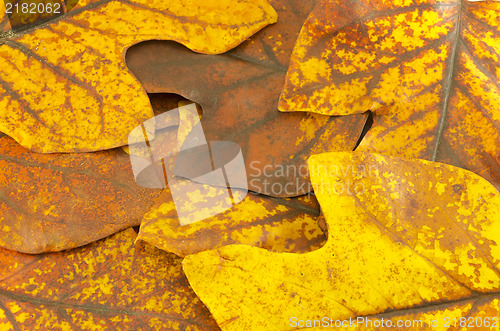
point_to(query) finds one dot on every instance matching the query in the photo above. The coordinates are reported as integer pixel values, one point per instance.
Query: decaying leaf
(239, 93)
(429, 70)
(110, 284)
(402, 234)
(59, 201)
(64, 86)
(279, 224)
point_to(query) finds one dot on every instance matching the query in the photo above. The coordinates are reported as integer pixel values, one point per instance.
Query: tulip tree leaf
(60, 201)
(64, 85)
(404, 236)
(428, 70)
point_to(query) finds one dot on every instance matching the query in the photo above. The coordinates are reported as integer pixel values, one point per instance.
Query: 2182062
(471, 322)
(33, 8)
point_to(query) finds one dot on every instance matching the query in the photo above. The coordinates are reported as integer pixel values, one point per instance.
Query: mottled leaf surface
(239, 93)
(110, 284)
(278, 224)
(59, 201)
(429, 70)
(64, 85)
(419, 234)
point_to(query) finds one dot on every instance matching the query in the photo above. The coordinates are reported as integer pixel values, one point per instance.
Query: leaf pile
(369, 131)
(238, 92)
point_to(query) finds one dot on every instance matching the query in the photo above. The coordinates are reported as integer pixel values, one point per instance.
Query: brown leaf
(163, 102)
(64, 85)
(239, 93)
(278, 224)
(404, 236)
(110, 284)
(60, 201)
(429, 70)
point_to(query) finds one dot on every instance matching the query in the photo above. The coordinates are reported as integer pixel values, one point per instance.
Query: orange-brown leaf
(429, 70)
(59, 201)
(110, 284)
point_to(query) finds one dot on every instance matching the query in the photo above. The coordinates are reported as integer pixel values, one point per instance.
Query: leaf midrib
(448, 82)
(89, 307)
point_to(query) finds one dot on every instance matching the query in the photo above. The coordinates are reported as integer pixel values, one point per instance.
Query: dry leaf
(239, 94)
(402, 234)
(110, 284)
(163, 102)
(64, 86)
(273, 223)
(429, 70)
(205, 217)
(59, 201)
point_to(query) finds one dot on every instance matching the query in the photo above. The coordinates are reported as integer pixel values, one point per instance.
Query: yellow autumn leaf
(111, 284)
(65, 87)
(428, 70)
(402, 235)
(279, 224)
